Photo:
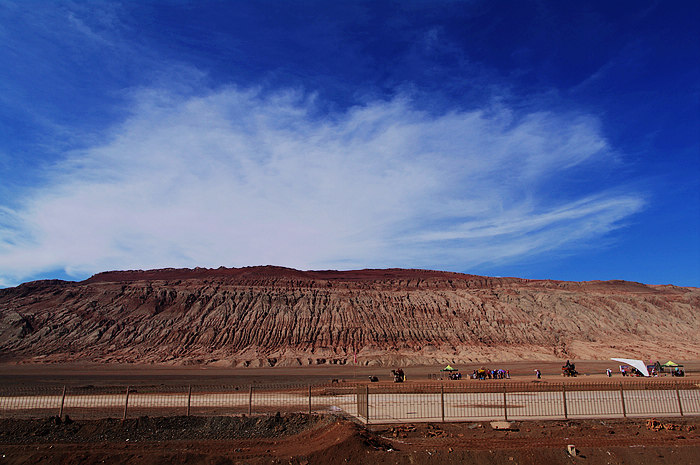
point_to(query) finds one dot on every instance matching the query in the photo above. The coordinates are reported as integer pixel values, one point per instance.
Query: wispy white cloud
(236, 177)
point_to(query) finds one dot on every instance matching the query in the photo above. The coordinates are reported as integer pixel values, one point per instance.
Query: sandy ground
(30, 375)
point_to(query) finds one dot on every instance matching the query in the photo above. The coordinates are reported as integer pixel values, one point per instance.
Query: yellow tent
(449, 368)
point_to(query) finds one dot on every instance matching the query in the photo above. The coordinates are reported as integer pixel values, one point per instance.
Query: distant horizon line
(368, 273)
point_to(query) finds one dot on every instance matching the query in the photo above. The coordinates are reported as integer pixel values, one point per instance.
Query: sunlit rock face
(272, 316)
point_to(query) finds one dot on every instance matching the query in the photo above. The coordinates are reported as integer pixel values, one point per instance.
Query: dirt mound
(273, 316)
(55, 429)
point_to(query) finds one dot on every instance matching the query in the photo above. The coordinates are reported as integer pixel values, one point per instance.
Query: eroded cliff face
(265, 316)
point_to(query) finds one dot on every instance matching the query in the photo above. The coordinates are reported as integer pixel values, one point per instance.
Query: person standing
(609, 372)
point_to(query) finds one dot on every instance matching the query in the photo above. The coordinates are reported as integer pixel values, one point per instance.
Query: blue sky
(512, 138)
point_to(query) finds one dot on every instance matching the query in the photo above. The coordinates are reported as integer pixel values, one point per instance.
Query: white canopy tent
(638, 364)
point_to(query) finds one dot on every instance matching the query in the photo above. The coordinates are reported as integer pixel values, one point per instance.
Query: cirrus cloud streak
(237, 177)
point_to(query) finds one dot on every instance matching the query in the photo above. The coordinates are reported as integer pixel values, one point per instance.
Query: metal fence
(121, 402)
(370, 403)
(470, 401)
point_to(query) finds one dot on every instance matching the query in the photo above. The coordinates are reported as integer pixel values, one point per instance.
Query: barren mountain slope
(269, 315)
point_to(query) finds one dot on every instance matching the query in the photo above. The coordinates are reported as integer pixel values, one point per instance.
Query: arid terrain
(267, 325)
(299, 438)
(302, 439)
(272, 316)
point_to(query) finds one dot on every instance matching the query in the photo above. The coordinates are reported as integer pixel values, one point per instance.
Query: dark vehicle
(569, 369)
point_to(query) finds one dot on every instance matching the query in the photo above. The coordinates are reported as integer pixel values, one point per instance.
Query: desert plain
(271, 326)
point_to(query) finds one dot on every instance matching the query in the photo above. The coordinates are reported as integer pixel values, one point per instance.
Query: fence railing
(370, 403)
(459, 401)
(123, 402)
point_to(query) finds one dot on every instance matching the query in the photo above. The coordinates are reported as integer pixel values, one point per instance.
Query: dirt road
(76, 374)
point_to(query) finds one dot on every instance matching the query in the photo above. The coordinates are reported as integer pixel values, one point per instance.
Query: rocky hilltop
(266, 316)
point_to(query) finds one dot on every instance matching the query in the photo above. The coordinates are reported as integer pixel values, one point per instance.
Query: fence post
(126, 401)
(505, 404)
(189, 399)
(678, 396)
(367, 400)
(563, 395)
(250, 400)
(63, 400)
(442, 401)
(622, 398)
(309, 399)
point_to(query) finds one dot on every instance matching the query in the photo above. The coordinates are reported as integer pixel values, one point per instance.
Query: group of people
(399, 375)
(569, 369)
(483, 373)
(629, 371)
(678, 372)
